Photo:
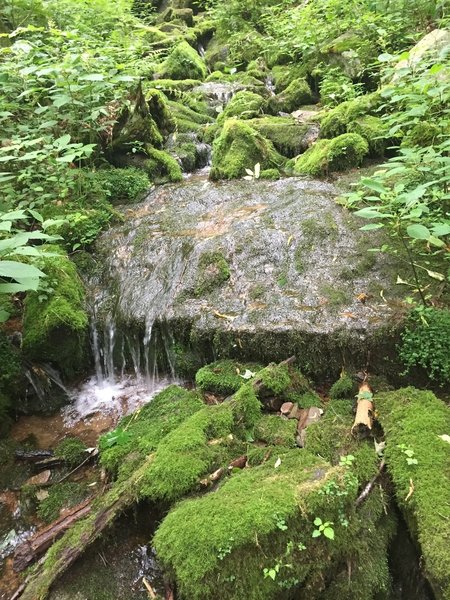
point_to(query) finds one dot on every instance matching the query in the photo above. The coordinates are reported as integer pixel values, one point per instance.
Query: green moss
(374, 131)
(55, 324)
(336, 121)
(244, 105)
(214, 270)
(223, 377)
(414, 420)
(344, 152)
(72, 451)
(183, 63)
(276, 378)
(257, 68)
(61, 495)
(11, 366)
(184, 456)
(283, 75)
(147, 427)
(263, 517)
(172, 87)
(276, 431)
(240, 147)
(344, 387)
(124, 186)
(160, 111)
(270, 174)
(162, 166)
(334, 295)
(295, 95)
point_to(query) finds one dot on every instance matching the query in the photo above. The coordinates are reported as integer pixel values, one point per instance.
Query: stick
(366, 491)
(150, 591)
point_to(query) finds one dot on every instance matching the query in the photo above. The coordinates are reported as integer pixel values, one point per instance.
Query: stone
(40, 478)
(286, 408)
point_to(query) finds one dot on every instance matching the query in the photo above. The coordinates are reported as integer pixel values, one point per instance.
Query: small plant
(72, 451)
(346, 461)
(224, 550)
(409, 453)
(323, 528)
(280, 522)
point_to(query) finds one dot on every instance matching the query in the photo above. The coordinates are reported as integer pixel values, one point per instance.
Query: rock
(40, 478)
(433, 43)
(306, 417)
(296, 261)
(286, 408)
(294, 412)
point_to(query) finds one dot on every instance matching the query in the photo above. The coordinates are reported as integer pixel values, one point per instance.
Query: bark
(30, 550)
(362, 425)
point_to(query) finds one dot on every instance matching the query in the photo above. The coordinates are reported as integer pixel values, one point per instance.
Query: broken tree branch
(368, 488)
(362, 425)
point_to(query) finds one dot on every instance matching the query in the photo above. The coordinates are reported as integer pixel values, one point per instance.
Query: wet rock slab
(262, 268)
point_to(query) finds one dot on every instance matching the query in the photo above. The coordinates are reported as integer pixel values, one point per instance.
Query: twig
(150, 590)
(366, 491)
(91, 455)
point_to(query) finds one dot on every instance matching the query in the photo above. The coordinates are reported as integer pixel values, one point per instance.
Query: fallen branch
(92, 454)
(366, 491)
(150, 590)
(32, 548)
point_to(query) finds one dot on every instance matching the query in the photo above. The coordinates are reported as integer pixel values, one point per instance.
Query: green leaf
(5, 226)
(4, 316)
(316, 533)
(62, 141)
(19, 271)
(373, 184)
(418, 232)
(328, 532)
(371, 213)
(317, 521)
(371, 226)
(92, 77)
(59, 101)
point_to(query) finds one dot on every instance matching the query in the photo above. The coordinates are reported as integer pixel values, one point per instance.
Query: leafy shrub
(426, 343)
(336, 87)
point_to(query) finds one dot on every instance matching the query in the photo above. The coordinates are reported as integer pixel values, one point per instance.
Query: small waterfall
(201, 50)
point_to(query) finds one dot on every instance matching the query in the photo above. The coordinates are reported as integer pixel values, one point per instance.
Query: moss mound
(325, 156)
(183, 63)
(374, 131)
(139, 434)
(296, 94)
(240, 147)
(244, 105)
(72, 451)
(414, 421)
(224, 377)
(124, 186)
(344, 387)
(61, 495)
(274, 430)
(55, 327)
(283, 75)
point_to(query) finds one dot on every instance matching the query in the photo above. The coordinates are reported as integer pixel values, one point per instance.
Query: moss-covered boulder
(55, 323)
(283, 75)
(325, 156)
(415, 423)
(243, 105)
(225, 377)
(336, 121)
(123, 186)
(374, 131)
(240, 147)
(289, 137)
(214, 270)
(183, 63)
(255, 536)
(296, 94)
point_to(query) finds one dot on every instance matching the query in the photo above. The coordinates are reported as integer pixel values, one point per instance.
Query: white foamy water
(118, 398)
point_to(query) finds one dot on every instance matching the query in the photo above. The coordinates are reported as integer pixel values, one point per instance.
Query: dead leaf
(277, 463)
(348, 315)
(445, 438)
(363, 297)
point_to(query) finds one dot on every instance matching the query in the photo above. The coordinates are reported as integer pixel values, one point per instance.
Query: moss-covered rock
(325, 156)
(161, 166)
(283, 75)
(270, 174)
(183, 63)
(243, 105)
(295, 95)
(288, 136)
(224, 377)
(254, 536)
(61, 495)
(336, 121)
(344, 387)
(240, 147)
(55, 324)
(374, 131)
(414, 422)
(258, 69)
(172, 86)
